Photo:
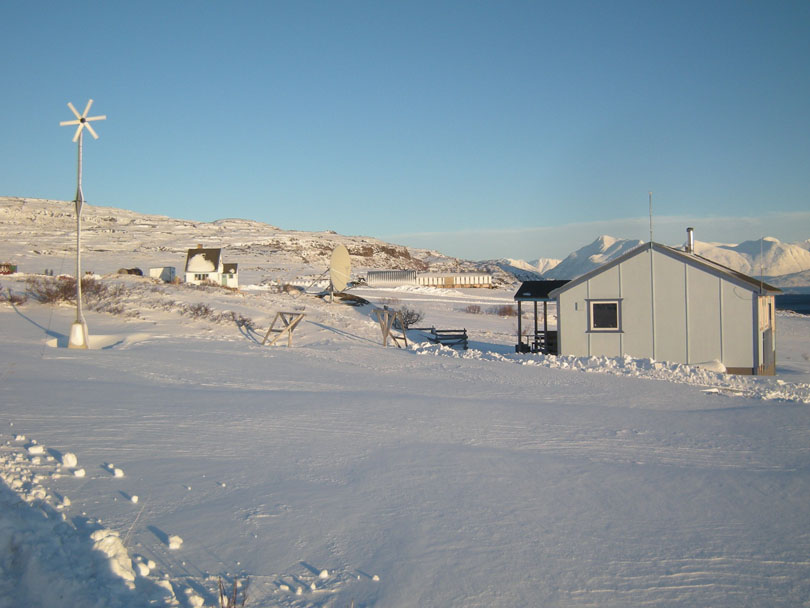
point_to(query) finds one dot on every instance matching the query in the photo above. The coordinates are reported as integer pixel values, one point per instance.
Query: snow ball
(134, 499)
(36, 449)
(35, 460)
(118, 472)
(143, 569)
(284, 587)
(19, 437)
(79, 472)
(313, 586)
(195, 600)
(376, 577)
(324, 574)
(109, 543)
(65, 501)
(175, 542)
(166, 586)
(222, 484)
(69, 459)
(299, 590)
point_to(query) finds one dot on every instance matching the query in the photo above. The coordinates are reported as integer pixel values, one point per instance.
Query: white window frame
(618, 303)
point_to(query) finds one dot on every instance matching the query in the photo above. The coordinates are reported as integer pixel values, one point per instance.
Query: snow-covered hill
(767, 256)
(585, 259)
(544, 265)
(38, 234)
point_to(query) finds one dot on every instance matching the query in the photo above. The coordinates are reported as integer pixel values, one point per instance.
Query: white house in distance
(670, 305)
(206, 266)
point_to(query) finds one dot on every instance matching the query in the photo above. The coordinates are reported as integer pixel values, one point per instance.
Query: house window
(200, 277)
(604, 315)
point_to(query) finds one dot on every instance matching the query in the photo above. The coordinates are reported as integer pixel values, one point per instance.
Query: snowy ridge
(544, 265)
(767, 256)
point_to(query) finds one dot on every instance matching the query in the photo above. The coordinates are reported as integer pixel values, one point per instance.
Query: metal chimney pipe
(690, 240)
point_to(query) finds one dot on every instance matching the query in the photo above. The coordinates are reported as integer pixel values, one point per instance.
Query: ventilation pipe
(690, 240)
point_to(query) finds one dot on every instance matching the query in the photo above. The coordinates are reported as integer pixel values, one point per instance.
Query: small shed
(670, 305)
(542, 341)
(163, 273)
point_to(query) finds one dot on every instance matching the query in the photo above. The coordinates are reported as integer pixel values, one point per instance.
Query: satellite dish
(340, 268)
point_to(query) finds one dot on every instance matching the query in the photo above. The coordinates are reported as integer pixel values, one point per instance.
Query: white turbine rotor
(82, 120)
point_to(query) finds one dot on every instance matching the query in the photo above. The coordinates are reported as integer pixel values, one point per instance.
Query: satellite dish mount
(78, 331)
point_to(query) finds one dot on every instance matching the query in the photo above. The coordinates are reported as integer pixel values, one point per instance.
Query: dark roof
(691, 258)
(229, 268)
(533, 291)
(209, 255)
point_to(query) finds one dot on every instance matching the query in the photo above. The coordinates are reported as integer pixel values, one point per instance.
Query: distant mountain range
(782, 264)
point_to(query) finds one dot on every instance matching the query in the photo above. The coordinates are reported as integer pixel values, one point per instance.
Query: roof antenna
(651, 225)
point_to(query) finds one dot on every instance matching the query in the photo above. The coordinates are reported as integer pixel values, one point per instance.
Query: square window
(604, 315)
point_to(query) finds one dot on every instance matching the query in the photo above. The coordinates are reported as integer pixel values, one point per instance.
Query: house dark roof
(690, 258)
(229, 268)
(199, 259)
(536, 291)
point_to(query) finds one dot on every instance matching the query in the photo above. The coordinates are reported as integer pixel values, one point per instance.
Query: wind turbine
(78, 331)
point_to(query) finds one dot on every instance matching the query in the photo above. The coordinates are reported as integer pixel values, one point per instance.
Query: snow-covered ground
(338, 472)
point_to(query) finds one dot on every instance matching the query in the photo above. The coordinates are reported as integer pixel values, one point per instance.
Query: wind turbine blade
(65, 123)
(79, 130)
(89, 128)
(72, 109)
(87, 108)
(89, 118)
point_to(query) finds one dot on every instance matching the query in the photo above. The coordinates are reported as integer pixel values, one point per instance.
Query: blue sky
(481, 129)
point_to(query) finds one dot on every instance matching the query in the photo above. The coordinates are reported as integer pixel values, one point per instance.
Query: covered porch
(541, 340)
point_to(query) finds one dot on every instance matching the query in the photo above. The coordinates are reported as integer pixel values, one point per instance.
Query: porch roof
(537, 291)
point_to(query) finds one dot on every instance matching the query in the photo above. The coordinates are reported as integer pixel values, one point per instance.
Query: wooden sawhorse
(289, 320)
(387, 318)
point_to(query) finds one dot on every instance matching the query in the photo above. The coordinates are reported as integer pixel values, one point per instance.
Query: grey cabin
(670, 305)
